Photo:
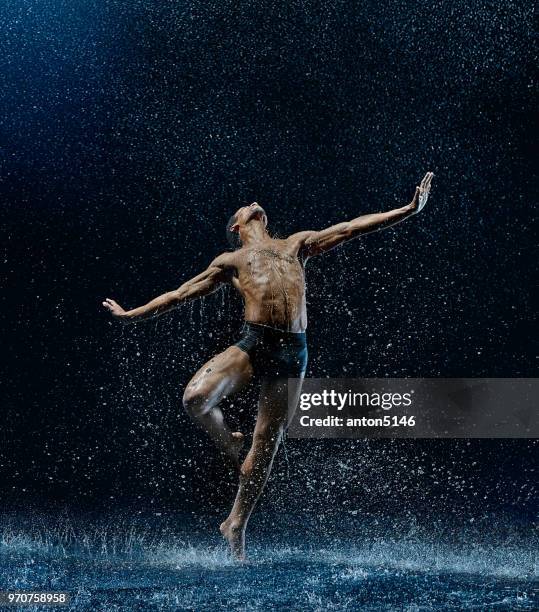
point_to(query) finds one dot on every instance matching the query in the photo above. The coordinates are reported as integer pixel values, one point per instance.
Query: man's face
(247, 213)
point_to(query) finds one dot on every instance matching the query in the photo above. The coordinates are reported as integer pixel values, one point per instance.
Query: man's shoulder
(300, 237)
(225, 260)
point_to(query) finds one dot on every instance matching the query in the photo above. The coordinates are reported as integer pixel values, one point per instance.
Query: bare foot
(234, 534)
(234, 449)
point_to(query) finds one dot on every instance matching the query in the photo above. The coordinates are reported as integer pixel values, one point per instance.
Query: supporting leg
(270, 424)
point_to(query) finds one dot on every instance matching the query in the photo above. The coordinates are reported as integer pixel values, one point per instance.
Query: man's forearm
(168, 301)
(154, 308)
(378, 221)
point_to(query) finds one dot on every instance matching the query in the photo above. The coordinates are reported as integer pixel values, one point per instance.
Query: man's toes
(238, 438)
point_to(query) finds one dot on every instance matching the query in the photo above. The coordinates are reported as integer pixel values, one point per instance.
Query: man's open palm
(422, 192)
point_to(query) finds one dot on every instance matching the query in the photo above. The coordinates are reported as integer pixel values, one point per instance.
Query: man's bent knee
(195, 402)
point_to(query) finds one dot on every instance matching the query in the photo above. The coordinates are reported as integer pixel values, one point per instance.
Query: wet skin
(270, 275)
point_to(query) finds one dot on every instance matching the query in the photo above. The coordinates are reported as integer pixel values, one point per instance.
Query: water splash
(149, 567)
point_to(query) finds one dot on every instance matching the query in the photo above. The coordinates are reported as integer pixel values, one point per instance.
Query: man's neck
(254, 233)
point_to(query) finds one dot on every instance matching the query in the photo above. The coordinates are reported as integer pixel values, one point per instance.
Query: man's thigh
(277, 403)
(222, 375)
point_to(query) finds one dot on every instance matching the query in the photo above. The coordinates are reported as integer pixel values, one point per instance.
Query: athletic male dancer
(269, 274)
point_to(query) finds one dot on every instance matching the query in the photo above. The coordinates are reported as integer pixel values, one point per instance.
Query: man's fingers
(425, 183)
(110, 305)
(422, 192)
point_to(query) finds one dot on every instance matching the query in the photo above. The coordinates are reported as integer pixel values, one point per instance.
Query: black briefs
(274, 352)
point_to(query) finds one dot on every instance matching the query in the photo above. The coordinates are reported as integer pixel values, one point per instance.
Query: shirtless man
(270, 275)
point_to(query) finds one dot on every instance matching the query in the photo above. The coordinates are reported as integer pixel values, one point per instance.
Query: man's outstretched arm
(324, 240)
(203, 284)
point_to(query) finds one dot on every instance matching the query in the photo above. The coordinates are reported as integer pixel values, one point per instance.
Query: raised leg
(221, 376)
(270, 424)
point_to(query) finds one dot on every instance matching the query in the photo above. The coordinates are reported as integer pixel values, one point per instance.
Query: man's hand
(421, 193)
(115, 309)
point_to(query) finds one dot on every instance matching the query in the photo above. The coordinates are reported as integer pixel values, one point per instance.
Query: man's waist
(272, 328)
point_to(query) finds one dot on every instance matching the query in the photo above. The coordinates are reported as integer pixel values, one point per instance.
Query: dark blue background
(132, 130)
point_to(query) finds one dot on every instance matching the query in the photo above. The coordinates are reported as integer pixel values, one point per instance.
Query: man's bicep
(316, 243)
(224, 266)
(301, 239)
(217, 273)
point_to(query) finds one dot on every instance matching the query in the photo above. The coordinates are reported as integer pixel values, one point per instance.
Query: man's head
(241, 219)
